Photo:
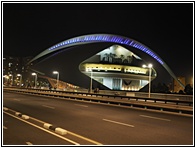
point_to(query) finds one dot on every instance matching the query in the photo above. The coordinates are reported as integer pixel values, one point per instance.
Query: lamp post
(57, 81)
(20, 78)
(34, 74)
(6, 79)
(150, 71)
(12, 79)
(91, 84)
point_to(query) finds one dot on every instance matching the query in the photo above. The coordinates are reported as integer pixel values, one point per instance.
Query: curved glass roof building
(117, 69)
(124, 68)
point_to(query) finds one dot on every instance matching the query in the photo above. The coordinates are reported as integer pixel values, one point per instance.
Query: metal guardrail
(145, 94)
(177, 101)
(184, 107)
(166, 96)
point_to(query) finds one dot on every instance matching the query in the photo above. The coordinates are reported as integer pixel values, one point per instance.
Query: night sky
(166, 28)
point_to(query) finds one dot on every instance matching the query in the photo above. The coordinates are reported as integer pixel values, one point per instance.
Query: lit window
(10, 64)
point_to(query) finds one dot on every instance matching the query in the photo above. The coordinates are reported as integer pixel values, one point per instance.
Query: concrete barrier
(57, 130)
(47, 125)
(60, 131)
(25, 117)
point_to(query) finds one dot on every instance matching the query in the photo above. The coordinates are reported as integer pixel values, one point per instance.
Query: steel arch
(93, 38)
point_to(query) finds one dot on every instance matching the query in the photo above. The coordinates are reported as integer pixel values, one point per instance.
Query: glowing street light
(57, 81)
(34, 74)
(6, 78)
(12, 78)
(150, 69)
(19, 75)
(91, 82)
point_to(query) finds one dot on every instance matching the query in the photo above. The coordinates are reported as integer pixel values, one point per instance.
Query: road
(29, 135)
(91, 123)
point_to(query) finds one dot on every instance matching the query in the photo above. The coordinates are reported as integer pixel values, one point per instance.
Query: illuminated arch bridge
(96, 38)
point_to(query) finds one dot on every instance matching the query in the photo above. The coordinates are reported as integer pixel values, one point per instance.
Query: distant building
(177, 86)
(15, 66)
(191, 82)
(47, 82)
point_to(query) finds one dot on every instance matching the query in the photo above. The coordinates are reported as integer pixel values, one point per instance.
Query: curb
(57, 130)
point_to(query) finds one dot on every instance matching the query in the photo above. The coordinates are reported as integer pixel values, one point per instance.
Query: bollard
(25, 117)
(60, 131)
(47, 125)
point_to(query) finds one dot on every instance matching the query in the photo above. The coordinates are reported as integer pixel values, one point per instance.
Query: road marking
(59, 136)
(84, 138)
(81, 105)
(155, 118)
(29, 143)
(118, 122)
(37, 120)
(17, 99)
(4, 127)
(74, 134)
(48, 106)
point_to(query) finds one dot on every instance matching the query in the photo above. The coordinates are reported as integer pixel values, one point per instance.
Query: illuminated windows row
(103, 68)
(135, 71)
(115, 69)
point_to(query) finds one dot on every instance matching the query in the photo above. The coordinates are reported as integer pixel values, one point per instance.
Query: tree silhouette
(188, 89)
(160, 88)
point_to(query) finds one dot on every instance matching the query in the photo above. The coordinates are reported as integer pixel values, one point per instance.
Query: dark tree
(165, 88)
(181, 92)
(160, 88)
(188, 89)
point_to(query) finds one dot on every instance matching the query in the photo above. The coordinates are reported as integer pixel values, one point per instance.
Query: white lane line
(29, 143)
(84, 138)
(118, 123)
(4, 127)
(59, 136)
(17, 99)
(48, 106)
(155, 118)
(81, 105)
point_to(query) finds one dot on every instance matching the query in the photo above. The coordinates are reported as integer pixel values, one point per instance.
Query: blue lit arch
(93, 38)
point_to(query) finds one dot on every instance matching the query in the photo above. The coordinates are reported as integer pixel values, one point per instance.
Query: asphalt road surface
(90, 123)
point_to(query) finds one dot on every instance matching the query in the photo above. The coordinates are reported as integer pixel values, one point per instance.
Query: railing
(184, 107)
(166, 96)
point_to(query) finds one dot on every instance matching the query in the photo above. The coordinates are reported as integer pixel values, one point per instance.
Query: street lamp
(6, 79)
(20, 78)
(150, 69)
(91, 84)
(12, 78)
(34, 74)
(56, 72)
